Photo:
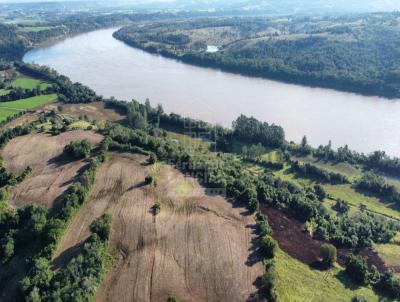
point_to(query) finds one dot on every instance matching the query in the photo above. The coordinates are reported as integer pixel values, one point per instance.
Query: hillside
(104, 200)
(356, 53)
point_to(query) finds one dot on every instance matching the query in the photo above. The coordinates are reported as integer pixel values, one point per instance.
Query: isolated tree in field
(328, 254)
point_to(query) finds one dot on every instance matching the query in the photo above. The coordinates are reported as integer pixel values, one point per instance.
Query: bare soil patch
(52, 172)
(198, 248)
(93, 111)
(296, 242)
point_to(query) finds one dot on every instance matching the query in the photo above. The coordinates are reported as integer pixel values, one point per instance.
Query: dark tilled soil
(296, 242)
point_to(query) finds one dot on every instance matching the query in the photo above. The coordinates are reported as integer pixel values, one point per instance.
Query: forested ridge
(356, 53)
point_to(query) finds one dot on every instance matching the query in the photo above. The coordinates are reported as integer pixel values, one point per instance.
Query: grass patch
(389, 252)
(29, 83)
(35, 29)
(298, 283)
(29, 103)
(183, 188)
(346, 169)
(346, 192)
(81, 125)
(273, 156)
(5, 113)
(8, 109)
(185, 140)
(4, 91)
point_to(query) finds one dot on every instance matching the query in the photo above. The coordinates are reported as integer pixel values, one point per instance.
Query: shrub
(268, 246)
(357, 269)
(79, 149)
(152, 158)
(156, 208)
(263, 226)
(328, 254)
(320, 192)
(102, 226)
(341, 206)
(269, 282)
(390, 285)
(149, 180)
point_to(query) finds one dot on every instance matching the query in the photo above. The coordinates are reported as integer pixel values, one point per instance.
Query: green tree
(102, 226)
(268, 246)
(328, 254)
(79, 149)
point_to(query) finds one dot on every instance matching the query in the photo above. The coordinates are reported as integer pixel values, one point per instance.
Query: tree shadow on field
(67, 255)
(137, 186)
(320, 266)
(346, 281)
(60, 160)
(253, 227)
(238, 204)
(255, 254)
(259, 294)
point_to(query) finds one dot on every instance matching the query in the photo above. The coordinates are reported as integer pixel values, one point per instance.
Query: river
(112, 68)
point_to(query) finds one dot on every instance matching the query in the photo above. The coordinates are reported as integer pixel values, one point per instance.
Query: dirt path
(52, 172)
(197, 248)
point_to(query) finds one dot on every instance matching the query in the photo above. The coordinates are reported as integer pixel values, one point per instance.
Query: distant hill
(276, 7)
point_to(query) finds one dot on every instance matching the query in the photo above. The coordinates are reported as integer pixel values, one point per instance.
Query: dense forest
(352, 53)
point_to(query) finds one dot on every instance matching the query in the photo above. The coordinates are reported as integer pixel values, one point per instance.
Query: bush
(149, 180)
(269, 282)
(79, 149)
(152, 158)
(268, 246)
(156, 208)
(263, 225)
(390, 285)
(341, 206)
(328, 254)
(102, 226)
(320, 192)
(357, 269)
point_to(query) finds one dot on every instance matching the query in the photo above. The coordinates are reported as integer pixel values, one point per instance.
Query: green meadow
(29, 83)
(11, 108)
(297, 282)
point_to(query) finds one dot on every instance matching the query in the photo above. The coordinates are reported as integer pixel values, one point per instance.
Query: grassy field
(195, 143)
(81, 125)
(345, 192)
(29, 83)
(390, 253)
(11, 108)
(298, 283)
(272, 156)
(30, 29)
(346, 169)
(3, 91)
